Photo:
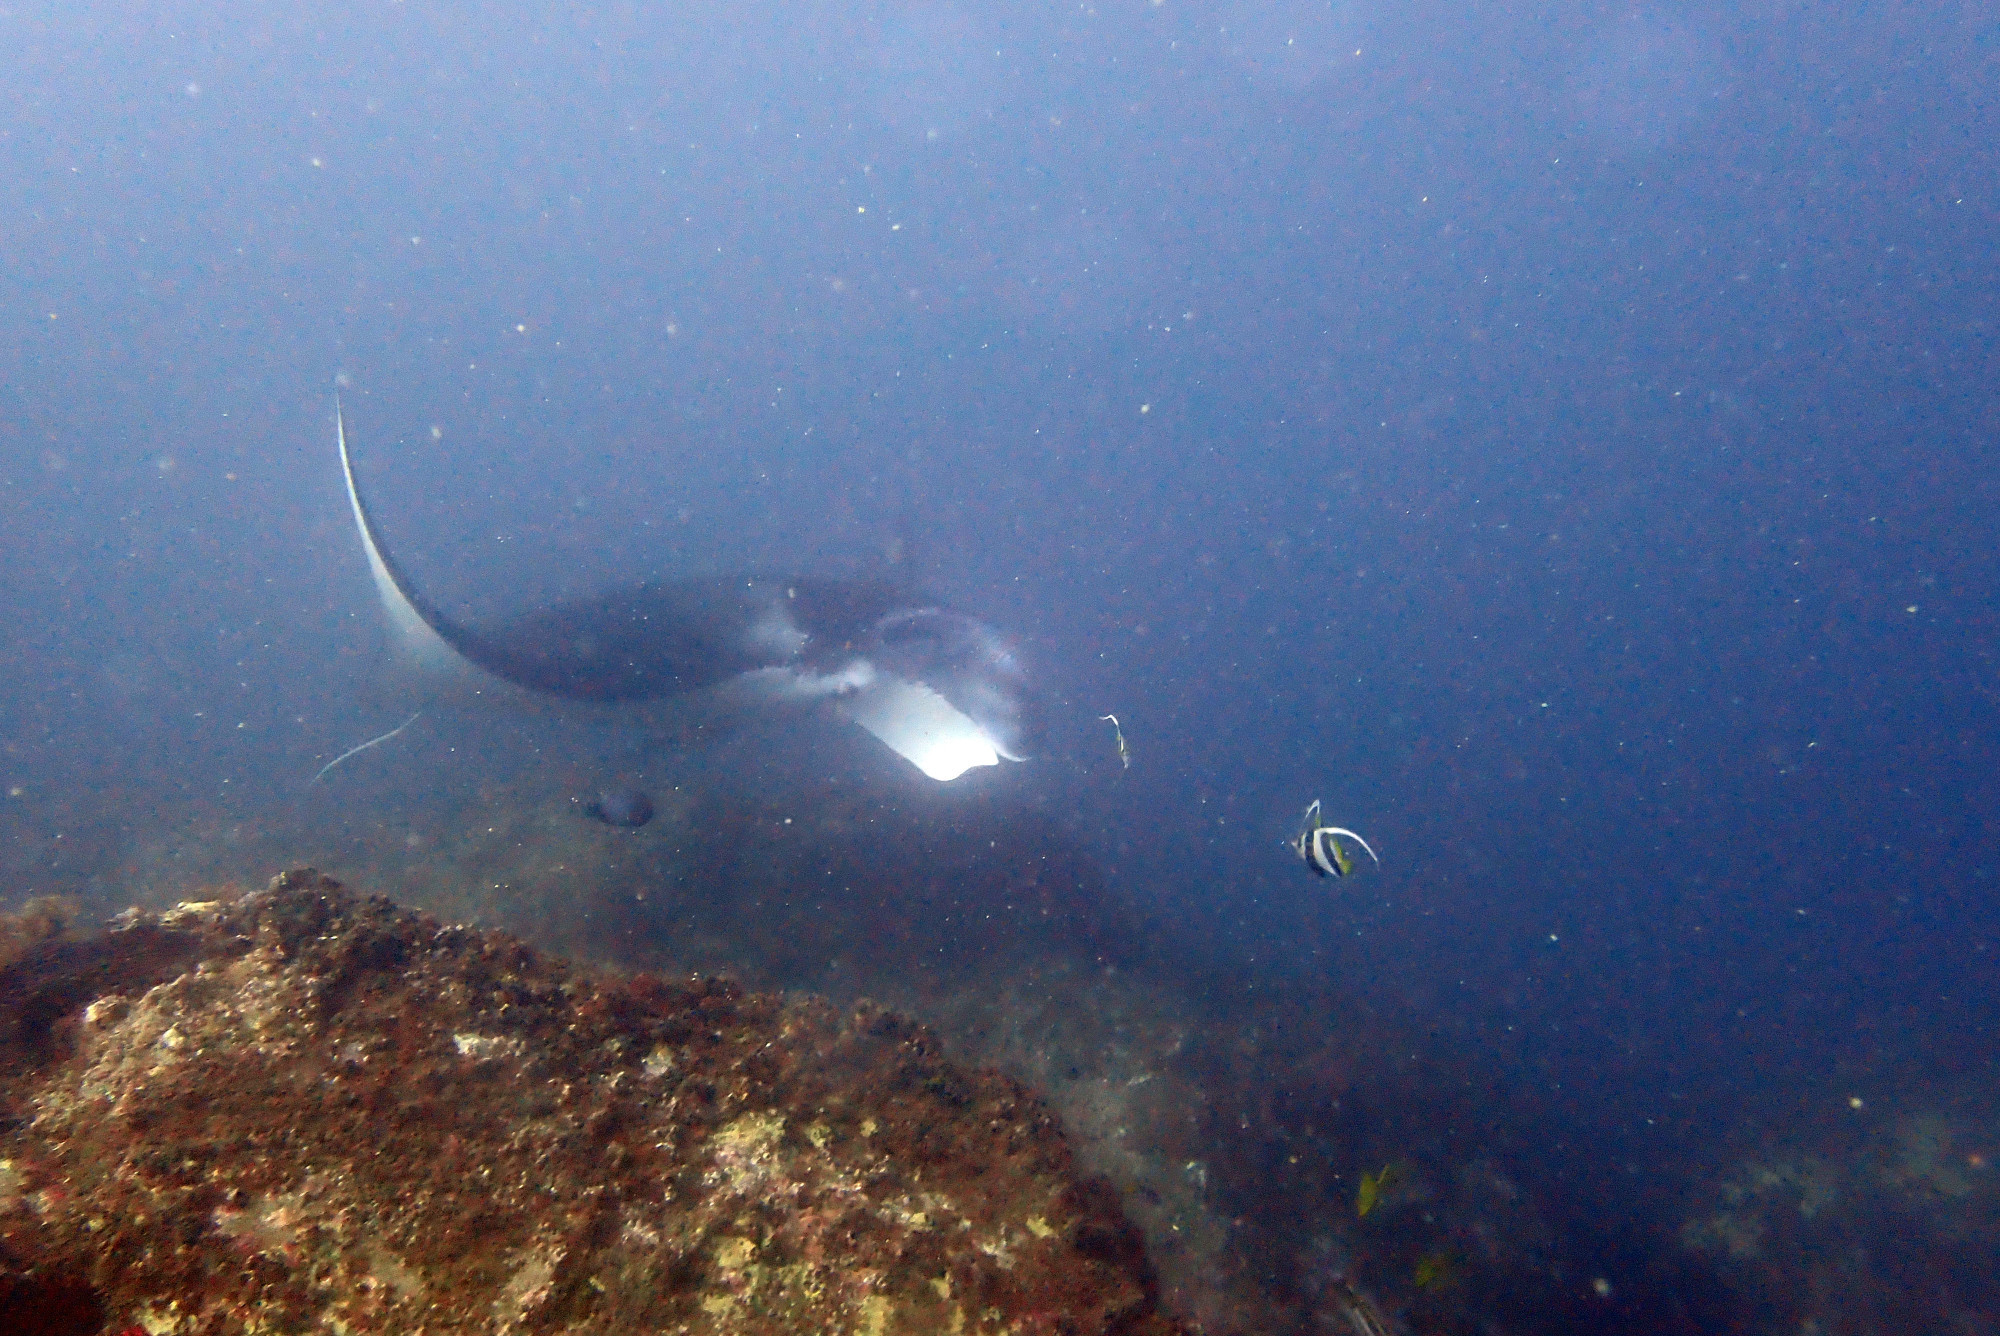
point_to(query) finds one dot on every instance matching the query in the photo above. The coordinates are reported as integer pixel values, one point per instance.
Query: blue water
(1561, 438)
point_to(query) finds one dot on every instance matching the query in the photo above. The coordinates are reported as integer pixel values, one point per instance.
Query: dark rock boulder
(310, 1110)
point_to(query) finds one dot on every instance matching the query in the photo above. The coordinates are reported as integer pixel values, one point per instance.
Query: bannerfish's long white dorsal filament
(1342, 830)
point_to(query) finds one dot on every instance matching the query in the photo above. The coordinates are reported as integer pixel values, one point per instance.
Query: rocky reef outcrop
(309, 1110)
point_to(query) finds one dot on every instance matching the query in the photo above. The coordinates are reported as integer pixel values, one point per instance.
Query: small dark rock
(625, 807)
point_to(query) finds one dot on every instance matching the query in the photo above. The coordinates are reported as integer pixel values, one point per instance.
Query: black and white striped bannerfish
(1318, 845)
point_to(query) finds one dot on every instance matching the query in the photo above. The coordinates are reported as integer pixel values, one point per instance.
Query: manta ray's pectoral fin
(412, 631)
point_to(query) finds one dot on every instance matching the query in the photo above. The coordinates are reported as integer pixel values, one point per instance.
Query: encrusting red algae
(308, 1110)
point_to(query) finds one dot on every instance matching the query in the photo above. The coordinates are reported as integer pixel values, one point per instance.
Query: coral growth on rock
(311, 1110)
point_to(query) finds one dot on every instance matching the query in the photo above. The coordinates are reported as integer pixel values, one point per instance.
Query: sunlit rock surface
(308, 1110)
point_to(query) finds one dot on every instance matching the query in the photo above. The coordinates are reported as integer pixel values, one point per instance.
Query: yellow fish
(1370, 1194)
(1434, 1271)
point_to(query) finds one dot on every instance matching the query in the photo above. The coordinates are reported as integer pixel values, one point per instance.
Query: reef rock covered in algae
(312, 1111)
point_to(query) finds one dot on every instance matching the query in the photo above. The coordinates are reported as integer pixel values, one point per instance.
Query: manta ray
(942, 690)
